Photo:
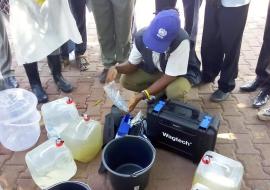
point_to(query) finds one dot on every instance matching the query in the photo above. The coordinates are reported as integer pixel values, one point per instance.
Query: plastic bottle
(217, 172)
(113, 93)
(50, 163)
(84, 139)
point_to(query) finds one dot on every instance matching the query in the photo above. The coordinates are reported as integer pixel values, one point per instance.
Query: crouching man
(159, 61)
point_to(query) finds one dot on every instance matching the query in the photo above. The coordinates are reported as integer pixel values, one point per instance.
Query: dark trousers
(221, 43)
(263, 64)
(78, 9)
(191, 11)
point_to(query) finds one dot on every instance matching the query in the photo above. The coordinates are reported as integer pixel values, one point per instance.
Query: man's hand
(134, 101)
(112, 74)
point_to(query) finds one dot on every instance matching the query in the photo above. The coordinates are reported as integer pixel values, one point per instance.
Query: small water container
(59, 114)
(50, 163)
(217, 172)
(84, 139)
(19, 119)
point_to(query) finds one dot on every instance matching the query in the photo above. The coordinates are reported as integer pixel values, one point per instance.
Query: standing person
(191, 11)
(262, 70)
(7, 77)
(48, 24)
(224, 25)
(78, 9)
(158, 62)
(113, 20)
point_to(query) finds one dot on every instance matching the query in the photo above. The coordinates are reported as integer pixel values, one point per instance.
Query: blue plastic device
(207, 119)
(124, 126)
(158, 107)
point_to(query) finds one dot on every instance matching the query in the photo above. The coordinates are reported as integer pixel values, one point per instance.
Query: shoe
(55, 66)
(11, 82)
(103, 76)
(264, 114)
(251, 86)
(262, 98)
(31, 70)
(40, 93)
(82, 62)
(219, 96)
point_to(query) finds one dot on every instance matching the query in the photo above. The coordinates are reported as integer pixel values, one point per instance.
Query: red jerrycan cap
(206, 159)
(69, 101)
(86, 117)
(59, 142)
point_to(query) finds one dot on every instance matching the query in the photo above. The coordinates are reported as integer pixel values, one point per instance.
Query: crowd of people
(159, 60)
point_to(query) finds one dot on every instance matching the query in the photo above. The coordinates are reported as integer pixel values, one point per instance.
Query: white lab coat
(37, 31)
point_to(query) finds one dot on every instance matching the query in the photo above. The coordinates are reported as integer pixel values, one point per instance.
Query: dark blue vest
(148, 65)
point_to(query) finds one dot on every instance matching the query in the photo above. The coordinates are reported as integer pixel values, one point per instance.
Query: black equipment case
(181, 128)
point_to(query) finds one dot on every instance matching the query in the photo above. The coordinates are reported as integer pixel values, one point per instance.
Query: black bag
(181, 128)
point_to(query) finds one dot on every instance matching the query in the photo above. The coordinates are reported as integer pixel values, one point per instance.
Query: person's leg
(31, 70)
(139, 80)
(78, 8)
(164, 4)
(211, 50)
(232, 23)
(55, 66)
(264, 57)
(104, 18)
(178, 89)
(6, 74)
(123, 13)
(191, 11)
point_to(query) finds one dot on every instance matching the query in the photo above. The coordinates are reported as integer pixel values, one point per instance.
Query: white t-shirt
(234, 3)
(177, 62)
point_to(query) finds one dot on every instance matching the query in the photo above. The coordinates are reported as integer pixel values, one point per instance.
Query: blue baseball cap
(162, 31)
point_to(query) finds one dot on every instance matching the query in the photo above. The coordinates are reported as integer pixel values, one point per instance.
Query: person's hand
(112, 74)
(134, 101)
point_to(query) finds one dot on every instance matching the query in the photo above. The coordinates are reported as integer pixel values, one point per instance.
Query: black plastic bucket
(70, 185)
(128, 161)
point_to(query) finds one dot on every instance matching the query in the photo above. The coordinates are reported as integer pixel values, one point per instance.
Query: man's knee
(178, 89)
(128, 83)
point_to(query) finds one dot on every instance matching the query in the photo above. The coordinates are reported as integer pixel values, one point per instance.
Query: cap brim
(153, 43)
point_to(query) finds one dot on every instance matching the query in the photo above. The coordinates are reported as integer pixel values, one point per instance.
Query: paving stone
(230, 109)
(96, 94)
(236, 124)
(259, 184)
(250, 116)
(253, 168)
(265, 152)
(244, 144)
(259, 134)
(3, 158)
(226, 150)
(18, 158)
(25, 184)
(8, 176)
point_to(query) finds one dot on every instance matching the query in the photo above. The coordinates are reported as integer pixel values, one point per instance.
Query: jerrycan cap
(86, 117)
(206, 159)
(69, 101)
(59, 142)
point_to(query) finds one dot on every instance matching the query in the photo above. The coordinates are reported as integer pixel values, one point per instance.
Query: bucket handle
(135, 174)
